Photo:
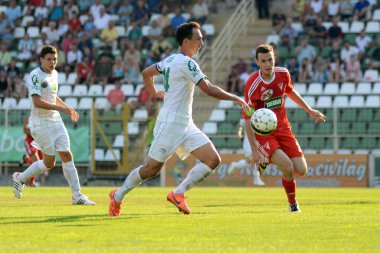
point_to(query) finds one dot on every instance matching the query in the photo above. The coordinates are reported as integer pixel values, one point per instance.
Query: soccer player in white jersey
(47, 128)
(175, 131)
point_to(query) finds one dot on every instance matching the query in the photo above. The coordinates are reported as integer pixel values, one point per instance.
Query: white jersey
(181, 74)
(44, 85)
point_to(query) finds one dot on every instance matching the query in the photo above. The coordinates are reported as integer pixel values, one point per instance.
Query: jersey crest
(267, 94)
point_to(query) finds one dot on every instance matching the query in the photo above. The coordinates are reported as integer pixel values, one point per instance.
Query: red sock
(27, 160)
(290, 189)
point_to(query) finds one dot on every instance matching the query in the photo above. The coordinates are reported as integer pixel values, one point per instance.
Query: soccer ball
(264, 121)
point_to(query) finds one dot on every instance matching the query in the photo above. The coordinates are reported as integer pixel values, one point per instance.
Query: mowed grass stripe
(222, 220)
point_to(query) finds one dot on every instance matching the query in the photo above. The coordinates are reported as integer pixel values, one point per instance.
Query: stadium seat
(186, 15)
(315, 89)
(348, 114)
(376, 15)
(273, 38)
(80, 90)
(365, 115)
(33, 31)
(210, 128)
(317, 143)
(217, 115)
(119, 141)
(145, 30)
(331, 89)
(372, 27)
(107, 89)
(72, 78)
(85, 103)
(340, 101)
(324, 128)
(121, 31)
(307, 128)
(300, 115)
(64, 91)
(368, 142)
(373, 101)
(95, 90)
(290, 103)
(374, 127)
(358, 128)
(344, 26)
(61, 78)
(347, 88)
(133, 128)
(327, 25)
(140, 114)
(154, 16)
(26, 20)
(350, 142)
(19, 32)
(356, 27)
(9, 103)
(324, 102)
(209, 29)
(300, 88)
(160, 86)
(24, 104)
(344, 127)
(297, 26)
(356, 101)
(72, 102)
(376, 88)
(225, 104)
(371, 75)
(128, 90)
(109, 155)
(101, 102)
(138, 88)
(233, 115)
(83, 18)
(310, 100)
(226, 128)
(99, 154)
(363, 88)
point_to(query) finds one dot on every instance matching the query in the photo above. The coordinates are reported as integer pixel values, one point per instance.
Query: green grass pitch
(222, 220)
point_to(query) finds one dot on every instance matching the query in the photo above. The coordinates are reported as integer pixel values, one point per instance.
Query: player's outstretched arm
(69, 111)
(216, 92)
(251, 139)
(315, 114)
(148, 75)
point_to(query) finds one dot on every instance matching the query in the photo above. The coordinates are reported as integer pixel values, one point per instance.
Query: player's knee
(49, 164)
(301, 171)
(214, 162)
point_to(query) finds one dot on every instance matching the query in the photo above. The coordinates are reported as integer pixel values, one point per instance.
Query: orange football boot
(179, 201)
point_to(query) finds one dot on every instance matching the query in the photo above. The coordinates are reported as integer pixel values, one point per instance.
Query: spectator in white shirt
(347, 51)
(363, 42)
(200, 12)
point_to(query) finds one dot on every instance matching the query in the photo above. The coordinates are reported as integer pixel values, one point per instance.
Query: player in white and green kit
(175, 131)
(47, 128)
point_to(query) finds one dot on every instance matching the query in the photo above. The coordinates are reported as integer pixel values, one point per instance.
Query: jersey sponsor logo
(35, 80)
(193, 68)
(273, 103)
(280, 85)
(266, 94)
(44, 84)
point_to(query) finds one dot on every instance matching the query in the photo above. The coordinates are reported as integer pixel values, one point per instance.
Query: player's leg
(33, 158)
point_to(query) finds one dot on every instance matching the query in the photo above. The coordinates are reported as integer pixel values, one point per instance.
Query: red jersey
(262, 94)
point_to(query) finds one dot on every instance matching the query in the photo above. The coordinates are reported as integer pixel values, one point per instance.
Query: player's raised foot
(82, 200)
(257, 181)
(179, 201)
(294, 208)
(115, 206)
(17, 185)
(262, 168)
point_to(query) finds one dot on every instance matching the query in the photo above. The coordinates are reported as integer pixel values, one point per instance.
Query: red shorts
(30, 149)
(284, 140)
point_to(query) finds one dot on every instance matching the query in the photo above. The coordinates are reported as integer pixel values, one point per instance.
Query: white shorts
(51, 139)
(171, 137)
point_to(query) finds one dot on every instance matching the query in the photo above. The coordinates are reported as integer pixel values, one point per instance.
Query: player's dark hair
(185, 31)
(263, 49)
(48, 49)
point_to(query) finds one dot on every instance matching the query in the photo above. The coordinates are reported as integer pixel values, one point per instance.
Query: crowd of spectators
(312, 45)
(101, 41)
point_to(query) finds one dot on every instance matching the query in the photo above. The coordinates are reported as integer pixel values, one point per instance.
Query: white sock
(133, 180)
(196, 175)
(36, 168)
(255, 172)
(71, 175)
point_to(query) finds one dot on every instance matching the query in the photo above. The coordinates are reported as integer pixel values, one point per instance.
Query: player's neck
(45, 70)
(185, 51)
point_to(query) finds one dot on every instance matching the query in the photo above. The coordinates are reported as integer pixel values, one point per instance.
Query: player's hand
(74, 115)
(242, 103)
(255, 159)
(317, 115)
(159, 94)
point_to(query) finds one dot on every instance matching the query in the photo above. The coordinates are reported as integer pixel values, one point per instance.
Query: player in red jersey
(266, 88)
(33, 154)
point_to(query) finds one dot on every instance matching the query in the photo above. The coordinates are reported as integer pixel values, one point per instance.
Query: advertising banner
(12, 143)
(323, 171)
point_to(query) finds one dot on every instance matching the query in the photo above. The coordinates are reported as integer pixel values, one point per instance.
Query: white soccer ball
(264, 121)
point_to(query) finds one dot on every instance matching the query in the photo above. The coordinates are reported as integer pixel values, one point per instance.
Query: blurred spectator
(70, 9)
(161, 45)
(305, 50)
(132, 73)
(375, 55)
(84, 70)
(320, 73)
(288, 34)
(85, 42)
(95, 9)
(13, 12)
(318, 33)
(298, 9)
(107, 52)
(200, 12)
(109, 35)
(243, 79)
(178, 19)
(74, 23)
(41, 14)
(262, 8)
(310, 20)
(232, 82)
(332, 9)
(154, 31)
(5, 56)
(102, 21)
(144, 99)
(61, 65)
(306, 71)
(74, 56)
(135, 33)
(102, 71)
(26, 48)
(7, 38)
(141, 13)
(34, 3)
(63, 27)
(346, 10)
(89, 27)
(335, 31)
(318, 7)
(335, 52)
(353, 70)
(163, 19)
(116, 97)
(56, 12)
(363, 41)
(125, 11)
(240, 66)
(362, 10)
(68, 42)
(278, 20)
(337, 71)
(18, 89)
(4, 87)
(5, 22)
(293, 68)
(49, 3)
(52, 32)
(132, 54)
(117, 70)
(347, 51)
